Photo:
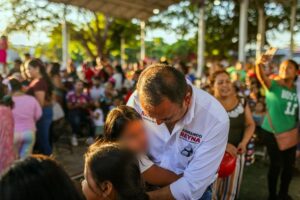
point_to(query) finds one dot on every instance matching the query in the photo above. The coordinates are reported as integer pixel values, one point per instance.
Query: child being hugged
(125, 126)
(98, 119)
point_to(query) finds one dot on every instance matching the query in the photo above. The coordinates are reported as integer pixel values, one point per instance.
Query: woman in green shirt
(282, 106)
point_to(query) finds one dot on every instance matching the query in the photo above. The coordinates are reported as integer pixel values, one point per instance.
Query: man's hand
(161, 194)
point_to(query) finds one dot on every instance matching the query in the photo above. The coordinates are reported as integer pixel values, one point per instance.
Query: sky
(280, 40)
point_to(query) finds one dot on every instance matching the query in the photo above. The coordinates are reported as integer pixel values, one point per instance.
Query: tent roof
(126, 9)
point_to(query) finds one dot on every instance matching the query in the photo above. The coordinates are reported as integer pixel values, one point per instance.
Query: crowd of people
(166, 143)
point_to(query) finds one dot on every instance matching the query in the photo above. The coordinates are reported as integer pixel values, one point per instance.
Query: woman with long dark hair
(37, 178)
(112, 172)
(41, 88)
(281, 119)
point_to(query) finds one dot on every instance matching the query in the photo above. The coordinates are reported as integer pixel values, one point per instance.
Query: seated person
(123, 124)
(78, 103)
(35, 178)
(112, 172)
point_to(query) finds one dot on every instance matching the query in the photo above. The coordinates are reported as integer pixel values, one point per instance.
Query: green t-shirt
(282, 105)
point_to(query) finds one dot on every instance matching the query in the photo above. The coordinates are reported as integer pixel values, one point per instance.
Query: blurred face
(167, 111)
(92, 191)
(97, 104)
(259, 107)
(98, 61)
(33, 72)
(287, 70)
(239, 66)
(79, 86)
(96, 82)
(57, 81)
(134, 136)
(223, 86)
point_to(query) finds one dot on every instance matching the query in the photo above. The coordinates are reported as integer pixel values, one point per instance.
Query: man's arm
(159, 176)
(201, 171)
(161, 194)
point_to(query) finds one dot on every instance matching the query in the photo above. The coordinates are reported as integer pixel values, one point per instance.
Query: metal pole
(292, 30)
(122, 51)
(65, 42)
(201, 40)
(260, 37)
(243, 29)
(143, 50)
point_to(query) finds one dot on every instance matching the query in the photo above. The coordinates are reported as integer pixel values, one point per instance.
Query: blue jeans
(43, 128)
(207, 194)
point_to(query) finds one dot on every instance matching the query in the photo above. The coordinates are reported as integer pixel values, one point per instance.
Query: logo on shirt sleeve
(187, 151)
(190, 136)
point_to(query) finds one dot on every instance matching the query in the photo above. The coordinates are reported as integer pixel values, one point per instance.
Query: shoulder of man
(208, 105)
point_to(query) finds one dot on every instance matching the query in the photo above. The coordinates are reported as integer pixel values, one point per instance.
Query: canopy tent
(138, 9)
(126, 9)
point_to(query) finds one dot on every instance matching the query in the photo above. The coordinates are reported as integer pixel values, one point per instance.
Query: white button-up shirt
(195, 147)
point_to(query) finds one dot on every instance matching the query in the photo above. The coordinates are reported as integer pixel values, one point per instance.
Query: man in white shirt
(97, 91)
(187, 130)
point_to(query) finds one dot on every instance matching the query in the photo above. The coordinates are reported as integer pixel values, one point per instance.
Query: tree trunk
(292, 25)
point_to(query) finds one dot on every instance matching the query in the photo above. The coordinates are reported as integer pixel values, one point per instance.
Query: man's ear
(106, 188)
(188, 96)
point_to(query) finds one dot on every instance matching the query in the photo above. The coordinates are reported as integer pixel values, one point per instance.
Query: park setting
(149, 99)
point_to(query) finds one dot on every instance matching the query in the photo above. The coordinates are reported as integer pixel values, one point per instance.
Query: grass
(254, 185)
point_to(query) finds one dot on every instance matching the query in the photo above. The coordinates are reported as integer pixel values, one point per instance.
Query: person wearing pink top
(7, 155)
(3, 53)
(26, 112)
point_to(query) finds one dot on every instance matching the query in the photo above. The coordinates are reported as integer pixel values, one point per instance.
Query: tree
(96, 33)
(222, 21)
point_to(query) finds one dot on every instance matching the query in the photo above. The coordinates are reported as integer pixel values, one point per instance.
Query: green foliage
(222, 21)
(94, 34)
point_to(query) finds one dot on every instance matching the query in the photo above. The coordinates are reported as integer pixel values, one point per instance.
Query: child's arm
(159, 176)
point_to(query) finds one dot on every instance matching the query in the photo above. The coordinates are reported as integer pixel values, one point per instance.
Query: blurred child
(125, 126)
(98, 119)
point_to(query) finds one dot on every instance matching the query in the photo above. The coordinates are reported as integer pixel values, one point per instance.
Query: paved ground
(254, 185)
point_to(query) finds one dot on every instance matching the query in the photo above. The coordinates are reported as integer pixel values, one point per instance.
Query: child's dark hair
(111, 162)
(5, 99)
(117, 120)
(15, 84)
(35, 178)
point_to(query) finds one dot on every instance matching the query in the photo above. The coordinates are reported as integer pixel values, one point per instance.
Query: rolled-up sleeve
(201, 171)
